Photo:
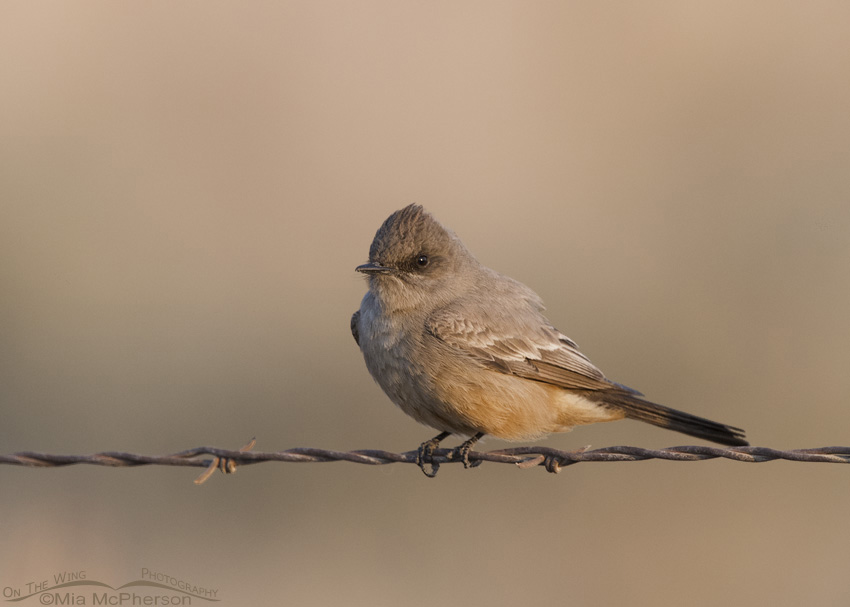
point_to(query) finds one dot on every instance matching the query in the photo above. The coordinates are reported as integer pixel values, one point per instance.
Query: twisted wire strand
(524, 457)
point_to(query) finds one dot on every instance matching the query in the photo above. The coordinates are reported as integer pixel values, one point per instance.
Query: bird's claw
(424, 456)
(462, 453)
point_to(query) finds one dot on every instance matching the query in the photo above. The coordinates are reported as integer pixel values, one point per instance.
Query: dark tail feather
(665, 417)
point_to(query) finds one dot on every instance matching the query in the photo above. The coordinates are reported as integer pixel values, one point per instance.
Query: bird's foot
(425, 453)
(462, 451)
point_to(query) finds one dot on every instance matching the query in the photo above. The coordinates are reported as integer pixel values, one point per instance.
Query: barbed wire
(551, 459)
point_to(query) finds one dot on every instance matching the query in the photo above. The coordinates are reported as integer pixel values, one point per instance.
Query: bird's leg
(426, 450)
(463, 450)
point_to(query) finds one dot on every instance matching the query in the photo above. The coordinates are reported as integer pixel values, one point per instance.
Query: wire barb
(523, 457)
(226, 465)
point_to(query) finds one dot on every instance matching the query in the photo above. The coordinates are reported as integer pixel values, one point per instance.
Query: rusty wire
(524, 457)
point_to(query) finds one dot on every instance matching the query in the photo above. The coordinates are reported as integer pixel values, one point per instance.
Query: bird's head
(414, 260)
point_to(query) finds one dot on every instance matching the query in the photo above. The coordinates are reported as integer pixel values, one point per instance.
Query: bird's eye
(422, 261)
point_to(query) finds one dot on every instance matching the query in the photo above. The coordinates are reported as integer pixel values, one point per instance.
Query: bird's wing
(355, 319)
(520, 342)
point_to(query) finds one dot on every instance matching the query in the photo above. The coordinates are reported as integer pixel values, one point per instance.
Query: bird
(468, 351)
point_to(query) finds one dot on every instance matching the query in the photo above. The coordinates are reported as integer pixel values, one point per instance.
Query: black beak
(372, 268)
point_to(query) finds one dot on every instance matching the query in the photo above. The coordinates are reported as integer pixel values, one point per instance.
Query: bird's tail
(658, 415)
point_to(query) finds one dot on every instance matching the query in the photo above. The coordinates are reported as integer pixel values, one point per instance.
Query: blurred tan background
(185, 189)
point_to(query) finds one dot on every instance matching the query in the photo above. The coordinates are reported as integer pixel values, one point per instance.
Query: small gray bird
(466, 350)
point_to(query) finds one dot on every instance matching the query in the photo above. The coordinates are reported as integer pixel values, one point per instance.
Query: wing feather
(528, 346)
(355, 326)
(521, 344)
